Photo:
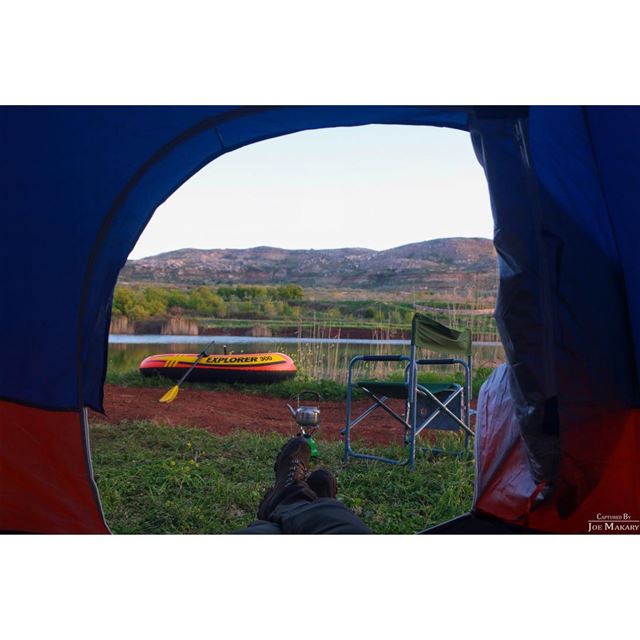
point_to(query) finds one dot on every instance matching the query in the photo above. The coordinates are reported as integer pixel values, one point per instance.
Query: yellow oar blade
(171, 395)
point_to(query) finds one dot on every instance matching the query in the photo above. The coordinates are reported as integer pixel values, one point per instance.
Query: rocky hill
(441, 264)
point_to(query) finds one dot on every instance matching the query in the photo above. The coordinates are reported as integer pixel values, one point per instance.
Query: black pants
(300, 511)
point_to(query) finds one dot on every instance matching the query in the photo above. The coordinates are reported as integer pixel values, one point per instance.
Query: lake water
(319, 358)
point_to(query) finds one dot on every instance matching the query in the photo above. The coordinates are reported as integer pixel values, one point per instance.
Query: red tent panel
(44, 489)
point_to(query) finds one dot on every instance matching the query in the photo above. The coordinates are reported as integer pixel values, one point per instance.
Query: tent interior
(557, 439)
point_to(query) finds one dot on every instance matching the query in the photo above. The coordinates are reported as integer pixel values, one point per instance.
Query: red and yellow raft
(243, 367)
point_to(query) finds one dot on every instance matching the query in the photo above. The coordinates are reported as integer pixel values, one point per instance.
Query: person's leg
(260, 527)
(290, 470)
(321, 516)
(294, 507)
(325, 515)
(296, 513)
(323, 483)
(287, 499)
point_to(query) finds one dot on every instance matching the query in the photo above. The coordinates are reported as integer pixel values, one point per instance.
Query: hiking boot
(290, 468)
(323, 483)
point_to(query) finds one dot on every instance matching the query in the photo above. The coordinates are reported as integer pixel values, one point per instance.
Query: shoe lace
(296, 467)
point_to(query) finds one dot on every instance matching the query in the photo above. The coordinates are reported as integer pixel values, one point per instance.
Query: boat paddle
(172, 394)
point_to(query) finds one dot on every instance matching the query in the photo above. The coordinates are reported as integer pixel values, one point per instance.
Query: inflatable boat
(243, 367)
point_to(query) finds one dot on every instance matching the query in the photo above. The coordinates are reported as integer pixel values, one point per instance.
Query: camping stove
(307, 417)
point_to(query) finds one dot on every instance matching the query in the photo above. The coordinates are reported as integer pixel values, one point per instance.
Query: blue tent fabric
(595, 273)
(614, 135)
(79, 184)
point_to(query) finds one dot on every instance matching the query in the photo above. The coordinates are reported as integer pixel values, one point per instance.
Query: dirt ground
(223, 412)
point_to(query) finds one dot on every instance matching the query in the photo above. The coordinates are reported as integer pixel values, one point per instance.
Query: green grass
(179, 480)
(328, 389)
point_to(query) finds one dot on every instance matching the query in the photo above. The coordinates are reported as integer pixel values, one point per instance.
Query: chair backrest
(431, 334)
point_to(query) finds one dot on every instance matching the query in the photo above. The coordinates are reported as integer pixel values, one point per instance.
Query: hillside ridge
(439, 264)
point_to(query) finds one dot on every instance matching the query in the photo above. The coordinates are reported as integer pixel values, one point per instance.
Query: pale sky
(374, 186)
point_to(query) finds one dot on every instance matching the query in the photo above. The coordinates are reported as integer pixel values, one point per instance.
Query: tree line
(213, 302)
(286, 302)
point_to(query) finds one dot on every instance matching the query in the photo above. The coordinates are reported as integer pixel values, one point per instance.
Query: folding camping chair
(426, 406)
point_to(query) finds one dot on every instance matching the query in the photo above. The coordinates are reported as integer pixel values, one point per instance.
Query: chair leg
(412, 441)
